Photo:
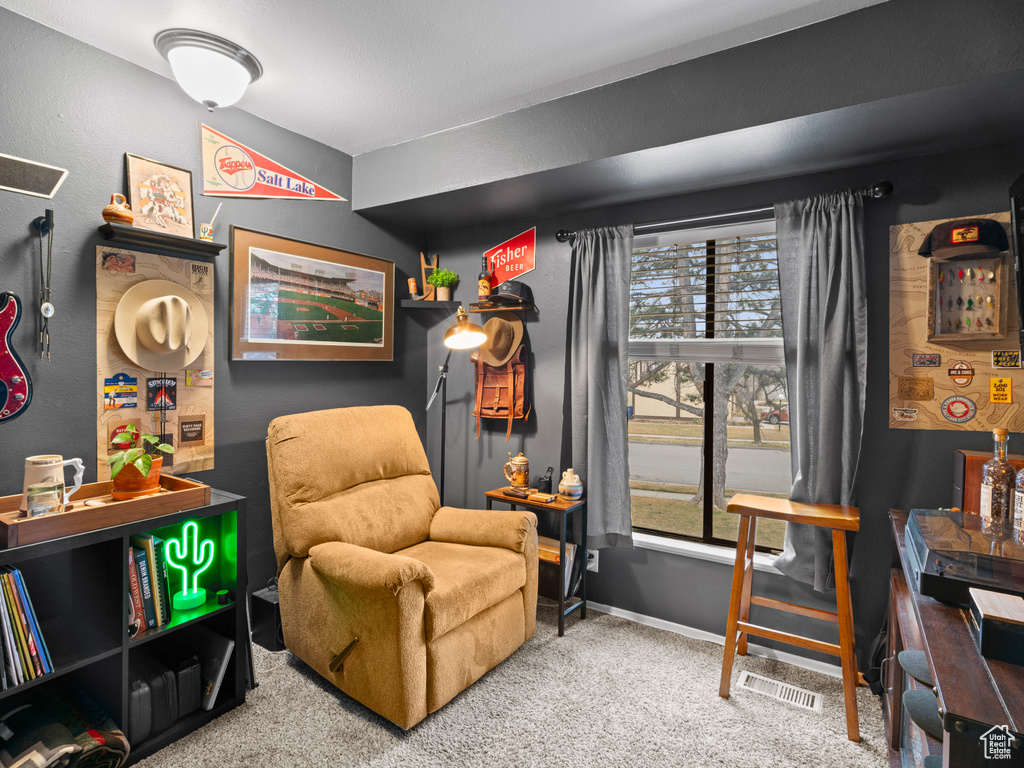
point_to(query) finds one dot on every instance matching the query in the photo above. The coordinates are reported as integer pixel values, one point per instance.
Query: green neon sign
(177, 554)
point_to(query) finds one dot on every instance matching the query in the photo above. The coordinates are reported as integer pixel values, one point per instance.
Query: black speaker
(30, 178)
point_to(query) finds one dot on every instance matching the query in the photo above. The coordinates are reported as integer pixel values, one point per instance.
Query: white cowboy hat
(504, 333)
(160, 325)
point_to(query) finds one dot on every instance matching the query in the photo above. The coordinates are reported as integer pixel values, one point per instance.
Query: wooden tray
(176, 494)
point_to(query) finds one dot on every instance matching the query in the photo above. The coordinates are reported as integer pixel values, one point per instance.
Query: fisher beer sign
(231, 169)
(513, 258)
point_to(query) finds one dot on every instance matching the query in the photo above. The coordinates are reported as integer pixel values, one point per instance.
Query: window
(708, 412)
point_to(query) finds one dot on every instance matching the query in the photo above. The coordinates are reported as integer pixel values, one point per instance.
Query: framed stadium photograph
(292, 300)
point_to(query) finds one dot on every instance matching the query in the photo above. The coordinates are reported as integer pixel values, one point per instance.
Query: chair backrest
(357, 475)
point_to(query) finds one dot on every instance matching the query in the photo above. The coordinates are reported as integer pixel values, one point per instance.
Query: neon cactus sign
(191, 564)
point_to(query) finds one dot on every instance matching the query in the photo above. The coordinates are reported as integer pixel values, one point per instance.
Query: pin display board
(954, 381)
(189, 425)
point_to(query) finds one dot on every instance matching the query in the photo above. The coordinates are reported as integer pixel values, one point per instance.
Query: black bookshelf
(79, 588)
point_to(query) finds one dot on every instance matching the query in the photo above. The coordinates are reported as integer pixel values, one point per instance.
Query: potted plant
(445, 280)
(133, 471)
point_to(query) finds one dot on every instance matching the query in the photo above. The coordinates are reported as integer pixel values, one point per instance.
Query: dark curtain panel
(824, 326)
(598, 370)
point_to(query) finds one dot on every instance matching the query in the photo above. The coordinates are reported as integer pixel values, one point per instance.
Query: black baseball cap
(965, 237)
(512, 292)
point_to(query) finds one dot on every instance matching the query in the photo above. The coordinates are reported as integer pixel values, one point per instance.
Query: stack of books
(148, 586)
(548, 552)
(25, 654)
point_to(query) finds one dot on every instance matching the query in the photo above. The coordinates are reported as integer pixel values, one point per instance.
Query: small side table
(563, 508)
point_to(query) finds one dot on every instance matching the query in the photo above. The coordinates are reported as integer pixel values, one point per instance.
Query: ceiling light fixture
(210, 69)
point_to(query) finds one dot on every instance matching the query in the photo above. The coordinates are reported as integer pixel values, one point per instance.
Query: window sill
(715, 554)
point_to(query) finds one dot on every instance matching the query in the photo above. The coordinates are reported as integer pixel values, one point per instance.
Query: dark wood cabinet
(79, 589)
(973, 694)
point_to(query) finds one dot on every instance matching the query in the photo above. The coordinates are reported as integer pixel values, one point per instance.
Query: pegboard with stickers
(942, 376)
(149, 372)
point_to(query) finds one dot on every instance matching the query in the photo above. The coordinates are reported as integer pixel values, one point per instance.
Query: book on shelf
(214, 651)
(26, 655)
(145, 586)
(138, 614)
(147, 543)
(33, 621)
(30, 640)
(18, 632)
(548, 551)
(162, 579)
(14, 671)
(13, 659)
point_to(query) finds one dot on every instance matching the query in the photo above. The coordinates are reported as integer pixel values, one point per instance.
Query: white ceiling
(363, 75)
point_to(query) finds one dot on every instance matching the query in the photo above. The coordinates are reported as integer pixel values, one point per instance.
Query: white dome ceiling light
(210, 69)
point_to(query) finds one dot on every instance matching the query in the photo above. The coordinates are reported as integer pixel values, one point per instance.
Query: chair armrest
(484, 527)
(367, 572)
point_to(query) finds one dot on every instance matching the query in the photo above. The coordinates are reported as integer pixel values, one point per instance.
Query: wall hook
(44, 224)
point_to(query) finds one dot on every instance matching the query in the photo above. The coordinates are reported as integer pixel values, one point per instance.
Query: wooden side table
(563, 508)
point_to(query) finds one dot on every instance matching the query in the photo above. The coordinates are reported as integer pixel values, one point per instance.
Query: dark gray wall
(73, 106)
(881, 52)
(899, 468)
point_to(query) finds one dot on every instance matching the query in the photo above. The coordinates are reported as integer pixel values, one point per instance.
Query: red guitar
(15, 385)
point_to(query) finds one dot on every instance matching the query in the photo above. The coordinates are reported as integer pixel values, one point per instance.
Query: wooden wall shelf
(132, 237)
(477, 306)
(447, 306)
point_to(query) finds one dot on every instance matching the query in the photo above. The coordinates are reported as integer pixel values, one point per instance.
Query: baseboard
(832, 670)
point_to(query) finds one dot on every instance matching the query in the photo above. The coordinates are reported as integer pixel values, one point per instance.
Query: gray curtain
(824, 328)
(598, 370)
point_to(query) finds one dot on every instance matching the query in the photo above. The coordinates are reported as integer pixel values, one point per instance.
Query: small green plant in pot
(133, 471)
(445, 280)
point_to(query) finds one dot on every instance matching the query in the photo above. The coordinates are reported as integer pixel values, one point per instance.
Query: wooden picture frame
(948, 319)
(160, 196)
(1017, 246)
(293, 300)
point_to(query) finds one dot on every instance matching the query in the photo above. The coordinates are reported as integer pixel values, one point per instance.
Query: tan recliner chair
(436, 596)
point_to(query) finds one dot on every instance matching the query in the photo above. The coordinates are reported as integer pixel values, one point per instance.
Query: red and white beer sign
(513, 258)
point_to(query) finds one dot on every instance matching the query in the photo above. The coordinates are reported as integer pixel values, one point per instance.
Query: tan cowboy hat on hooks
(504, 334)
(160, 325)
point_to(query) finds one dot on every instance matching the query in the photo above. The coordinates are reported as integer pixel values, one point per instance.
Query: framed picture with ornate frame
(293, 300)
(160, 196)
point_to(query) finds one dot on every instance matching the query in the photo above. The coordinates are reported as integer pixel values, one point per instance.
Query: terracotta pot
(130, 484)
(118, 212)
(444, 293)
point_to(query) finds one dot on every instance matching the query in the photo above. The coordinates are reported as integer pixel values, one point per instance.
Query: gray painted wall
(73, 106)
(881, 52)
(899, 468)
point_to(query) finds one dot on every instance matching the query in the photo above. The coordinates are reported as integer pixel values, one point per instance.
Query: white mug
(50, 469)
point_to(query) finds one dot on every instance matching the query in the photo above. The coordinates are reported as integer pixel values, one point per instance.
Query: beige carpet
(609, 693)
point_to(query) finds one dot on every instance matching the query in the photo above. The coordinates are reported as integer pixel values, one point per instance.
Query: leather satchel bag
(501, 391)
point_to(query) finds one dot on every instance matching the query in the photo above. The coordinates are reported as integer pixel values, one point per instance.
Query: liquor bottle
(483, 281)
(997, 484)
(1018, 507)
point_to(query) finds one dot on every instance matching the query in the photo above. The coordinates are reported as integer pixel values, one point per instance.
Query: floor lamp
(464, 334)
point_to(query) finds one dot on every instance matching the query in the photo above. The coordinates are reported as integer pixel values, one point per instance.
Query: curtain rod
(878, 190)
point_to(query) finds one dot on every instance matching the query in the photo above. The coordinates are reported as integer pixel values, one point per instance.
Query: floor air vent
(782, 691)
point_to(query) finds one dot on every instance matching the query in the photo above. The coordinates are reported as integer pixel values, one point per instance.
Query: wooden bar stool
(840, 519)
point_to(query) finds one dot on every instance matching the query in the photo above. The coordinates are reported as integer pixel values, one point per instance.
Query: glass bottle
(483, 282)
(997, 484)
(1018, 507)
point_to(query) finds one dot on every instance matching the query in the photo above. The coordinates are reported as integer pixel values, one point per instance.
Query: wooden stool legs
(738, 626)
(735, 600)
(844, 607)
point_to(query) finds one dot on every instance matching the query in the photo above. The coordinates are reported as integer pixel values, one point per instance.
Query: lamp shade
(464, 333)
(210, 69)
